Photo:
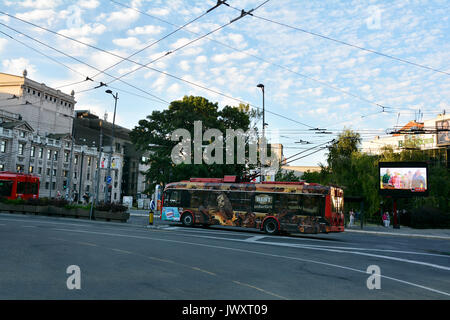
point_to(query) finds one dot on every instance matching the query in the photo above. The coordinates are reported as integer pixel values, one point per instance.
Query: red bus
(273, 207)
(18, 185)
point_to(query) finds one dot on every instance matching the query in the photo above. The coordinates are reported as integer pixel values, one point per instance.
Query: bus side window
(185, 199)
(20, 187)
(310, 205)
(34, 188)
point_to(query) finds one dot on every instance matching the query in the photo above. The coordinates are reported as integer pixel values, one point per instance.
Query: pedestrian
(386, 220)
(352, 217)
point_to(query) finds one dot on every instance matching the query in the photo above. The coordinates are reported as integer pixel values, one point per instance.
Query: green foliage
(357, 174)
(153, 134)
(429, 217)
(113, 207)
(286, 176)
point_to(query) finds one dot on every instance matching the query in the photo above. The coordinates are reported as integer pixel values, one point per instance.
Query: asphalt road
(132, 261)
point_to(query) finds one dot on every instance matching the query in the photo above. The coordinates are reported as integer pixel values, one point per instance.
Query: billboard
(115, 161)
(443, 133)
(403, 179)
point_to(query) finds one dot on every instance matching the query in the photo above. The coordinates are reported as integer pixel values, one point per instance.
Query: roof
(299, 188)
(15, 124)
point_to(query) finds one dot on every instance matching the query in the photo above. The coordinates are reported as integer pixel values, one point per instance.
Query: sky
(310, 81)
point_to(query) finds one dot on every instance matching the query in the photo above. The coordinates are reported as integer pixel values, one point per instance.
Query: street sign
(108, 179)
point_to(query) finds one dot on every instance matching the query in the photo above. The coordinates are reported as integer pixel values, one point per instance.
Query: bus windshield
(6, 188)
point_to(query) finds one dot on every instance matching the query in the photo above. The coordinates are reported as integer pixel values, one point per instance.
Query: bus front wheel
(270, 226)
(187, 220)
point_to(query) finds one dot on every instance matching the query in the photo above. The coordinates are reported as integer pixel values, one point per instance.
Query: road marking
(201, 270)
(161, 260)
(259, 289)
(254, 239)
(87, 243)
(122, 251)
(257, 253)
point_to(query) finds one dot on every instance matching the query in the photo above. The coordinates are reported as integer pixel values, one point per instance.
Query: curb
(400, 234)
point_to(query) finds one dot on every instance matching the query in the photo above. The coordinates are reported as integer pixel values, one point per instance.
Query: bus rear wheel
(270, 226)
(187, 219)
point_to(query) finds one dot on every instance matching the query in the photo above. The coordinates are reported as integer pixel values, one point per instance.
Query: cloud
(85, 30)
(184, 65)
(122, 19)
(3, 43)
(88, 4)
(130, 42)
(159, 12)
(16, 66)
(147, 30)
(39, 4)
(38, 15)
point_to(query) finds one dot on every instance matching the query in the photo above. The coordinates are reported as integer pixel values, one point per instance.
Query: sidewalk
(443, 234)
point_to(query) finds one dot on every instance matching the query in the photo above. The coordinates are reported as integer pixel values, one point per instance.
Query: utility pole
(263, 131)
(81, 173)
(95, 199)
(51, 172)
(108, 175)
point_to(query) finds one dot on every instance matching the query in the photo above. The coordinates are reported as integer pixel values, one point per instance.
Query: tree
(286, 175)
(153, 135)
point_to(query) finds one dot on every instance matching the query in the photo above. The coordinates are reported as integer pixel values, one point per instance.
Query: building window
(89, 161)
(31, 169)
(33, 151)
(76, 159)
(2, 146)
(66, 156)
(87, 188)
(48, 171)
(21, 146)
(20, 168)
(49, 154)
(47, 185)
(55, 155)
(2, 167)
(39, 170)
(41, 152)
(53, 185)
(74, 174)
(22, 134)
(54, 172)
(88, 176)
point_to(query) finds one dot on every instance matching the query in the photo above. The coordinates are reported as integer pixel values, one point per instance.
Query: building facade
(38, 136)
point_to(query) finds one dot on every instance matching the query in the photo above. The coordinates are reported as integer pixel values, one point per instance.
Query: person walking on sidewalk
(352, 218)
(386, 219)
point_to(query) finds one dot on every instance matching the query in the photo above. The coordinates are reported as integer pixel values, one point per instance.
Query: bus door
(171, 206)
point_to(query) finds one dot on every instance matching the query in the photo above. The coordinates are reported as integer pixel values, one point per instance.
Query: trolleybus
(273, 207)
(18, 185)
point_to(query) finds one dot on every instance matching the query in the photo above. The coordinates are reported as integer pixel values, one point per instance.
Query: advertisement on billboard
(443, 133)
(403, 178)
(115, 161)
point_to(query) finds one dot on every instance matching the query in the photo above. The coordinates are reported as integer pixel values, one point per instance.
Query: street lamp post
(116, 97)
(263, 129)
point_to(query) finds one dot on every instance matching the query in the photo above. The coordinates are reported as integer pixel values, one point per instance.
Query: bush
(114, 207)
(429, 217)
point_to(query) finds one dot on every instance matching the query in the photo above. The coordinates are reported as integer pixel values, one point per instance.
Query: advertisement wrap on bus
(273, 207)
